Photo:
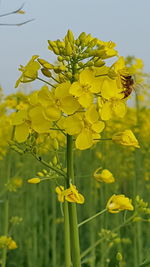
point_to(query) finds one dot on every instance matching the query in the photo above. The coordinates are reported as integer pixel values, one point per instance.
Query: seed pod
(46, 72)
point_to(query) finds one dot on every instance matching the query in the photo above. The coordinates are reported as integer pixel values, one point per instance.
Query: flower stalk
(74, 234)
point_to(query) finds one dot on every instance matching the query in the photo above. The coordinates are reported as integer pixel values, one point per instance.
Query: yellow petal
(52, 113)
(91, 114)
(84, 140)
(106, 111)
(109, 88)
(73, 125)
(39, 123)
(69, 105)
(86, 100)
(98, 127)
(76, 89)
(119, 108)
(62, 90)
(21, 132)
(18, 117)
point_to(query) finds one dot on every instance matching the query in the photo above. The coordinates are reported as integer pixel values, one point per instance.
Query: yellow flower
(39, 122)
(29, 72)
(86, 126)
(84, 89)
(22, 126)
(57, 101)
(12, 245)
(119, 203)
(60, 193)
(108, 48)
(104, 176)
(112, 108)
(34, 180)
(7, 242)
(126, 138)
(70, 194)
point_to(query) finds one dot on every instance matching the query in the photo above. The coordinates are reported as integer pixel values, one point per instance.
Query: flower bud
(99, 63)
(60, 58)
(93, 42)
(45, 63)
(89, 64)
(70, 36)
(82, 37)
(56, 50)
(119, 256)
(68, 50)
(34, 180)
(46, 72)
(55, 161)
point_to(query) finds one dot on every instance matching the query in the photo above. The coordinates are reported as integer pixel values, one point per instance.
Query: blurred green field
(38, 219)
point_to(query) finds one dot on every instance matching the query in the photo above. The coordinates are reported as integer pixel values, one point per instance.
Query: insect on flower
(128, 85)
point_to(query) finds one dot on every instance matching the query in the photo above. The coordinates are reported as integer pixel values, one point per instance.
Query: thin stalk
(92, 217)
(60, 172)
(40, 79)
(74, 233)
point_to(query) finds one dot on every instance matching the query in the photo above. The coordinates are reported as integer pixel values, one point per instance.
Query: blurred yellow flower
(119, 203)
(104, 176)
(126, 138)
(34, 180)
(7, 242)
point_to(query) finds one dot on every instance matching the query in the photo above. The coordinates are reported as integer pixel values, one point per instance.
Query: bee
(128, 85)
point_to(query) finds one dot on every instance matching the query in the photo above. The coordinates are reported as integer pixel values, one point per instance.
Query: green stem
(45, 82)
(60, 172)
(54, 231)
(92, 217)
(67, 235)
(74, 234)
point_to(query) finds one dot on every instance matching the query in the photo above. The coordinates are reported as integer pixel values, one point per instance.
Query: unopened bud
(82, 37)
(70, 36)
(68, 50)
(40, 174)
(55, 144)
(119, 256)
(34, 181)
(46, 72)
(89, 64)
(99, 63)
(60, 58)
(55, 161)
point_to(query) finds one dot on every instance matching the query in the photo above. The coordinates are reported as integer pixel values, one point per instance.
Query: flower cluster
(80, 93)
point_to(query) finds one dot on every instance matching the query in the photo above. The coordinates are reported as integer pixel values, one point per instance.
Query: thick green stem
(54, 249)
(67, 235)
(74, 233)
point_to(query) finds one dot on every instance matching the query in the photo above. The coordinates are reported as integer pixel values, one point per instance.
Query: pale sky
(126, 22)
